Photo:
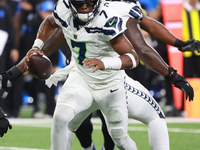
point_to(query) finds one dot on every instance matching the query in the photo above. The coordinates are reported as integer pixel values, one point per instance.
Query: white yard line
(97, 120)
(177, 130)
(47, 123)
(18, 148)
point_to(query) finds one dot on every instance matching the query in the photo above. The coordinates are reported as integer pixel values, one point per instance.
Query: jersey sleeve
(113, 27)
(136, 11)
(60, 10)
(126, 9)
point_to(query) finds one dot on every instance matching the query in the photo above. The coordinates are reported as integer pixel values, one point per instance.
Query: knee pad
(115, 114)
(117, 133)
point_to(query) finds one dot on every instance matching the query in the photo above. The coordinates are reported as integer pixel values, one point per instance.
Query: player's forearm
(21, 66)
(46, 29)
(154, 62)
(157, 30)
(55, 42)
(52, 44)
(128, 57)
(146, 53)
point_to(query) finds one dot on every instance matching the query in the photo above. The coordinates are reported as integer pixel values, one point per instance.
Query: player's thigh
(75, 93)
(80, 117)
(112, 102)
(114, 109)
(141, 105)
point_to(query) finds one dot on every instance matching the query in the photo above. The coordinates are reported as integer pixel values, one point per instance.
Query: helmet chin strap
(85, 17)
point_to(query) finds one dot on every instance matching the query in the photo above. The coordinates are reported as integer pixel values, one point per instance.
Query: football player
(95, 34)
(136, 100)
(4, 123)
(148, 50)
(100, 52)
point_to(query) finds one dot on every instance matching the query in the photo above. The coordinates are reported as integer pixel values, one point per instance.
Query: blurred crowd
(19, 22)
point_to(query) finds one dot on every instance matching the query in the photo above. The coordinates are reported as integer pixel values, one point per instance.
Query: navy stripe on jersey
(145, 97)
(64, 24)
(66, 4)
(99, 30)
(136, 13)
(120, 24)
(114, 22)
(93, 30)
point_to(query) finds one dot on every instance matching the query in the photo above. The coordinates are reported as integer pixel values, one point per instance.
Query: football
(40, 66)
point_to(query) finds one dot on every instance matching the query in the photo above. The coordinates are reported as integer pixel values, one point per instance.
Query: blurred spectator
(36, 88)
(15, 7)
(9, 52)
(191, 30)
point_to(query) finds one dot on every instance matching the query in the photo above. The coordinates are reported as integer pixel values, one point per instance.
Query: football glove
(4, 123)
(180, 83)
(190, 45)
(7, 79)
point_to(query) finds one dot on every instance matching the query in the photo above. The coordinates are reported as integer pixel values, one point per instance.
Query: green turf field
(183, 136)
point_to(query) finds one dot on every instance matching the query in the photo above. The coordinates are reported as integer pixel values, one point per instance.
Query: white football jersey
(92, 40)
(125, 9)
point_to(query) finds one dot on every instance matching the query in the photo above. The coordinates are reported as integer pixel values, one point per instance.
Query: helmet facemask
(84, 18)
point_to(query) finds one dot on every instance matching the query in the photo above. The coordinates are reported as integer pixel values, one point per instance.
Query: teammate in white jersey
(154, 142)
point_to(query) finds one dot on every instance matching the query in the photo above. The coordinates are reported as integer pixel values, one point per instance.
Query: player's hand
(7, 79)
(4, 125)
(98, 64)
(180, 83)
(31, 51)
(190, 45)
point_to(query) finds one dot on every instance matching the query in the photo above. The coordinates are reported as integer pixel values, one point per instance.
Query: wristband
(172, 76)
(178, 43)
(38, 43)
(112, 63)
(133, 59)
(13, 72)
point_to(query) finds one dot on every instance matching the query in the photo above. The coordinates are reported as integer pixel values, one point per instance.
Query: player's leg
(114, 108)
(70, 140)
(59, 132)
(70, 102)
(76, 122)
(108, 142)
(84, 134)
(144, 108)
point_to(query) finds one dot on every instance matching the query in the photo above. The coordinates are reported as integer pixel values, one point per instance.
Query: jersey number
(81, 52)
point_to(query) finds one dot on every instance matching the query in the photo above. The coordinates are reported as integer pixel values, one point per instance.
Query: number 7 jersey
(92, 40)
